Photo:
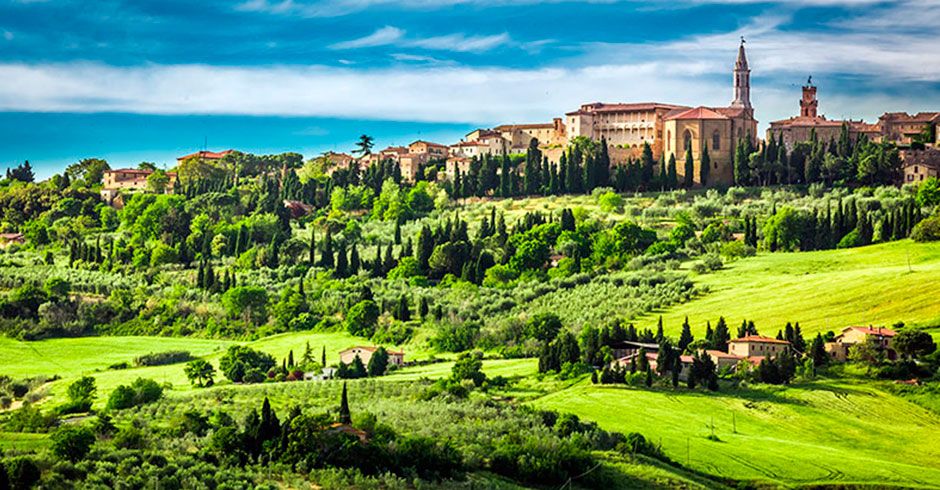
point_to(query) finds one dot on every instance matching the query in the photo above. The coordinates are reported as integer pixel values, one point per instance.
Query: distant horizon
(148, 80)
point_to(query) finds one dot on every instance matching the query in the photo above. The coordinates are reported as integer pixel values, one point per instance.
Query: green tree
(688, 178)
(238, 361)
(248, 302)
(200, 372)
(362, 318)
(364, 145)
(345, 417)
(158, 181)
(685, 338)
(72, 442)
(705, 166)
(928, 192)
(83, 390)
(469, 365)
(914, 343)
(543, 327)
(378, 363)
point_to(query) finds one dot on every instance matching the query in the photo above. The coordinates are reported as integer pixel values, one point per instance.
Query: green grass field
(71, 359)
(823, 291)
(821, 432)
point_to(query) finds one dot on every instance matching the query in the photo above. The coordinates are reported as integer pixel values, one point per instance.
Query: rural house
(757, 346)
(839, 348)
(364, 353)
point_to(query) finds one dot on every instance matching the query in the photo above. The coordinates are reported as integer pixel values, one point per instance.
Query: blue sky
(153, 79)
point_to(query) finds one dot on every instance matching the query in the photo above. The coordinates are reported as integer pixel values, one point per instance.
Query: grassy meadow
(816, 433)
(827, 290)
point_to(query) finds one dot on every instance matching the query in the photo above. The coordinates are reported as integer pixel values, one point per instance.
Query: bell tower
(808, 103)
(742, 80)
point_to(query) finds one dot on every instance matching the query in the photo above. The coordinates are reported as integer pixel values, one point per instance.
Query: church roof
(741, 63)
(619, 107)
(696, 113)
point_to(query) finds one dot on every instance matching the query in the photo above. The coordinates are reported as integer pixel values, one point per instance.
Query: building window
(716, 140)
(687, 139)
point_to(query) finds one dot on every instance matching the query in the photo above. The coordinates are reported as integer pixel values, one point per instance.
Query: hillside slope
(817, 433)
(825, 290)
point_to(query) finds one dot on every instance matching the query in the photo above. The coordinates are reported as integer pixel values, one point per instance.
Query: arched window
(687, 139)
(716, 140)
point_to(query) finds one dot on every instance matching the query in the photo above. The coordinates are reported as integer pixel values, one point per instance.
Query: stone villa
(364, 353)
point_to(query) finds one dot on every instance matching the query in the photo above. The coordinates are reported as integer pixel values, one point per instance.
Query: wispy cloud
(382, 37)
(338, 8)
(442, 94)
(393, 36)
(8, 35)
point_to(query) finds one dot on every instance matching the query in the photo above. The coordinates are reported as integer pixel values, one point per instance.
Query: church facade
(715, 129)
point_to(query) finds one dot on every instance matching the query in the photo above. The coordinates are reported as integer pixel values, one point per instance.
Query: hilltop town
(633, 295)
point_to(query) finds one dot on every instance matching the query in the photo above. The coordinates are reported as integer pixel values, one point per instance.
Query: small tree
(378, 363)
(200, 372)
(82, 390)
(344, 416)
(362, 318)
(72, 442)
(914, 343)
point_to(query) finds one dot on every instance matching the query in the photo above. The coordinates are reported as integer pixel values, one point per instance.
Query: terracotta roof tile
(697, 113)
(760, 338)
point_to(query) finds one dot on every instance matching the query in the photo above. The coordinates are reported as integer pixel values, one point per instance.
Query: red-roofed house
(839, 348)
(206, 155)
(757, 346)
(365, 354)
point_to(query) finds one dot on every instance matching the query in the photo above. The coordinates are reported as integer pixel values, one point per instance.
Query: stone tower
(742, 80)
(808, 103)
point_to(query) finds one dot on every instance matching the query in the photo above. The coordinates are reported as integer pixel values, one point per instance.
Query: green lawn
(823, 291)
(816, 433)
(91, 356)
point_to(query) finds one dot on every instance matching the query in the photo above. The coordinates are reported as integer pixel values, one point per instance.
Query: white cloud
(337, 8)
(441, 94)
(8, 35)
(381, 37)
(393, 36)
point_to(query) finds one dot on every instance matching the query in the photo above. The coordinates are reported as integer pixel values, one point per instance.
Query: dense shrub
(140, 392)
(927, 230)
(163, 358)
(244, 364)
(72, 442)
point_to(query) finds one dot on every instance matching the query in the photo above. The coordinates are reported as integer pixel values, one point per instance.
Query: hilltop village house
(127, 179)
(364, 353)
(842, 344)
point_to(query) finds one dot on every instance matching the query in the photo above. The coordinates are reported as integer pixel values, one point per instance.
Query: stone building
(801, 128)
(920, 165)
(627, 126)
(902, 128)
(717, 128)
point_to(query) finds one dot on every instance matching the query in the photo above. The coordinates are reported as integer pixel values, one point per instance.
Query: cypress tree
(685, 338)
(397, 232)
(326, 257)
(377, 263)
(663, 177)
(341, 269)
(323, 357)
(705, 167)
(688, 178)
(659, 330)
(344, 416)
(649, 376)
(355, 263)
(505, 189)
